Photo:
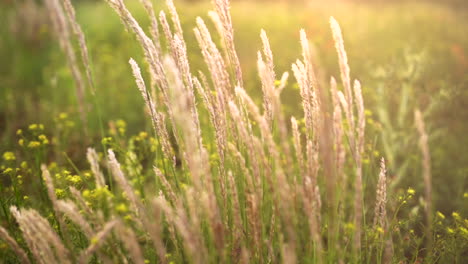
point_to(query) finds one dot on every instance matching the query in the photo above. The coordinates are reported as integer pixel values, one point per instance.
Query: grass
(198, 172)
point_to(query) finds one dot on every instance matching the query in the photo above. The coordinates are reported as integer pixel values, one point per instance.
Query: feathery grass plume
(280, 186)
(252, 184)
(179, 219)
(191, 147)
(53, 198)
(69, 209)
(426, 165)
(255, 154)
(62, 30)
(344, 67)
(165, 183)
(152, 56)
(93, 160)
(268, 88)
(214, 61)
(361, 123)
(119, 177)
(380, 212)
(130, 241)
(14, 246)
(96, 217)
(96, 242)
(222, 9)
(338, 133)
(157, 118)
(70, 11)
(43, 241)
(215, 110)
(297, 145)
(154, 30)
(234, 195)
(156, 233)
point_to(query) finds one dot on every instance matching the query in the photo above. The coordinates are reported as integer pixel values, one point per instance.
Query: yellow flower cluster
(9, 156)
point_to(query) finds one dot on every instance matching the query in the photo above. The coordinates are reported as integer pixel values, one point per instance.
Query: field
(258, 132)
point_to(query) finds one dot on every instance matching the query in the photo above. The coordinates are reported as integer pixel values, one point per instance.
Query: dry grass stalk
(222, 9)
(69, 209)
(81, 42)
(426, 165)
(361, 122)
(62, 30)
(96, 242)
(297, 145)
(152, 55)
(14, 246)
(53, 198)
(380, 212)
(119, 177)
(157, 118)
(178, 217)
(93, 160)
(130, 241)
(41, 238)
(344, 67)
(169, 190)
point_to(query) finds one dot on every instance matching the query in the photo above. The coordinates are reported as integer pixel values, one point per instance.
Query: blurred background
(407, 54)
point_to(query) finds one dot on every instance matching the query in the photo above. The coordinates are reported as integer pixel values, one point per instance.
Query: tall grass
(230, 182)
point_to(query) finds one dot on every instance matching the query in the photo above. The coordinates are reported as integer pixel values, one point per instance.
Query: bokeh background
(407, 54)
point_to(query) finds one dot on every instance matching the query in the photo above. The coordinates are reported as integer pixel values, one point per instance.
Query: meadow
(243, 132)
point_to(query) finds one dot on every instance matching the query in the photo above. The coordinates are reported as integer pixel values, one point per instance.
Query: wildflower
(63, 116)
(86, 194)
(450, 230)
(380, 230)
(8, 170)
(106, 140)
(143, 135)
(411, 191)
(440, 215)
(19, 132)
(74, 179)
(87, 175)
(44, 139)
(463, 231)
(465, 195)
(34, 144)
(9, 156)
(60, 193)
(21, 142)
(69, 123)
(94, 240)
(25, 197)
(456, 216)
(121, 208)
(349, 227)
(24, 164)
(32, 127)
(128, 217)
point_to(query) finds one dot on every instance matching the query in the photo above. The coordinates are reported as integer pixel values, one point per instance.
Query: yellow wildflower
(44, 139)
(121, 208)
(411, 191)
(9, 156)
(440, 215)
(34, 144)
(63, 116)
